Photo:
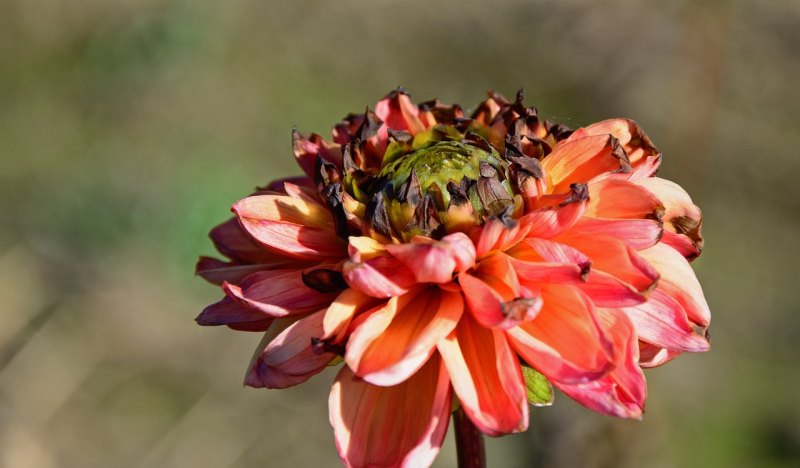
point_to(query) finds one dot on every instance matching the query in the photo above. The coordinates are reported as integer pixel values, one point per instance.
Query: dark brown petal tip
(426, 219)
(324, 280)
(320, 346)
(377, 216)
(519, 309)
(618, 152)
(494, 197)
(410, 191)
(578, 193)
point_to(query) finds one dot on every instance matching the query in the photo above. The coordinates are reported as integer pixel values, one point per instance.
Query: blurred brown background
(128, 127)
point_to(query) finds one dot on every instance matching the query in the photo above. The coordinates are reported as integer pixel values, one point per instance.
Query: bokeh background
(128, 127)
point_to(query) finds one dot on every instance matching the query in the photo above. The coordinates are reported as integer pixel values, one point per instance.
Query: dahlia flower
(445, 261)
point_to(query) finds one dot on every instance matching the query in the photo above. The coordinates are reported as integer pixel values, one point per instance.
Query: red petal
(394, 341)
(278, 293)
(289, 359)
(487, 378)
(565, 341)
(402, 425)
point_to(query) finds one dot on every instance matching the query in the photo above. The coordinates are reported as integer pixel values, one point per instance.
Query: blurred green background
(128, 127)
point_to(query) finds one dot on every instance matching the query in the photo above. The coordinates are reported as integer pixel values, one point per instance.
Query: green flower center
(440, 163)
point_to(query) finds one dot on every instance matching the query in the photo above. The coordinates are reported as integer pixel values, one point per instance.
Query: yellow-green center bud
(439, 183)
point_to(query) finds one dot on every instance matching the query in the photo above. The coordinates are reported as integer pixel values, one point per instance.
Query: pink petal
(637, 233)
(652, 356)
(289, 359)
(307, 146)
(622, 391)
(539, 260)
(394, 341)
(435, 261)
(232, 241)
(679, 282)
(278, 293)
(217, 272)
(234, 315)
(565, 341)
(381, 276)
(606, 290)
(487, 378)
(662, 321)
(398, 112)
(403, 425)
(682, 219)
(291, 226)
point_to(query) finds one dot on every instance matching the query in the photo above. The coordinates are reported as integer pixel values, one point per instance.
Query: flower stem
(469, 442)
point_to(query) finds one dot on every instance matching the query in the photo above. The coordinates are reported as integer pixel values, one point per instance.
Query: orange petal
(633, 139)
(621, 199)
(348, 304)
(487, 378)
(403, 425)
(394, 341)
(565, 341)
(492, 308)
(553, 214)
(289, 359)
(622, 391)
(637, 233)
(581, 160)
(615, 257)
(497, 235)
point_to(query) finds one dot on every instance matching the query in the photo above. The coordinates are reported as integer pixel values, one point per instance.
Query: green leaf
(538, 388)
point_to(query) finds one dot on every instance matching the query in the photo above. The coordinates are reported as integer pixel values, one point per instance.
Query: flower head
(440, 256)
